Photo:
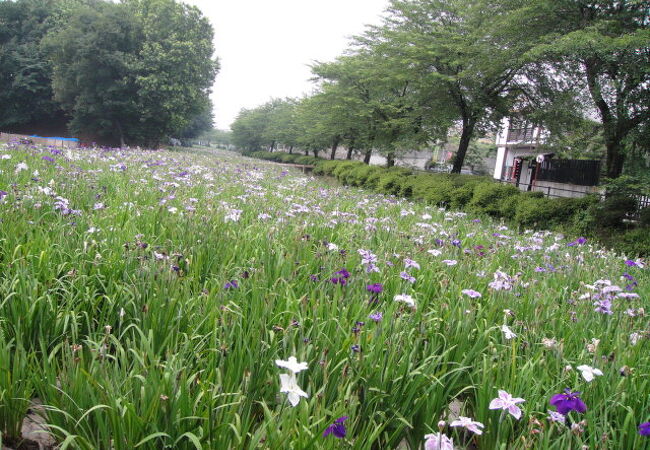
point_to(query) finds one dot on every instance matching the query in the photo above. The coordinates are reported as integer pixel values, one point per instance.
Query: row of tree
(132, 72)
(577, 67)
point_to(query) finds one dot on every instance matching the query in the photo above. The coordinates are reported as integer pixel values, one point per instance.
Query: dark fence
(571, 171)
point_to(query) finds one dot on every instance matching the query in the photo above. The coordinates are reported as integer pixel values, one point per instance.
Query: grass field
(153, 299)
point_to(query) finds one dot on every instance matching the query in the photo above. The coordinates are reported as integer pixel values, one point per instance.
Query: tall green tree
(370, 105)
(451, 53)
(250, 128)
(26, 96)
(93, 77)
(174, 68)
(135, 72)
(597, 54)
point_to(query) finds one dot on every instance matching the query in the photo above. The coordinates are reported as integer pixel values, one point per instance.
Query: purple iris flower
(343, 272)
(408, 277)
(630, 263)
(231, 285)
(375, 288)
(376, 316)
(569, 401)
(3, 194)
(644, 429)
(580, 241)
(604, 307)
(47, 158)
(337, 428)
(455, 243)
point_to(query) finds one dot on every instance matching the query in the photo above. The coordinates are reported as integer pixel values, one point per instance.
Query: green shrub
(531, 209)
(306, 160)
(340, 168)
(633, 243)
(287, 158)
(644, 219)
(611, 212)
(373, 178)
(565, 209)
(391, 182)
(531, 212)
(326, 167)
(460, 196)
(359, 175)
(489, 197)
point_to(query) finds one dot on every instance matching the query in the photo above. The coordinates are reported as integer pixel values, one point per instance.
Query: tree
(449, 49)
(93, 78)
(139, 71)
(174, 68)
(201, 123)
(25, 72)
(598, 53)
(249, 128)
(366, 105)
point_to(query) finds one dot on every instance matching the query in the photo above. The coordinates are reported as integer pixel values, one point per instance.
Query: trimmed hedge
(482, 195)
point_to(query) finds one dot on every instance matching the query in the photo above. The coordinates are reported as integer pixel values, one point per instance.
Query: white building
(520, 161)
(516, 139)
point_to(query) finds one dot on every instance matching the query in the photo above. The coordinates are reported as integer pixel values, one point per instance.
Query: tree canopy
(577, 68)
(133, 72)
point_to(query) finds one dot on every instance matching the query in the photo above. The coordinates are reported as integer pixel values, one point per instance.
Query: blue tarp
(57, 138)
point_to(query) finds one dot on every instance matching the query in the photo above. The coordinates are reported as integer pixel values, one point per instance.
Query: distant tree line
(577, 67)
(132, 72)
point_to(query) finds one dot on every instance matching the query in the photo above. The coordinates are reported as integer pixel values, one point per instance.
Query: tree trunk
(615, 158)
(272, 146)
(366, 156)
(121, 133)
(463, 145)
(306, 152)
(613, 129)
(315, 153)
(390, 159)
(350, 148)
(335, 145)
(291, 149)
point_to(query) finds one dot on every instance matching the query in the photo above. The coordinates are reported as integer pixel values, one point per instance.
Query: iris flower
(337, 428)
(588, 372)
(289, 386)
(508, 403)
(569, 401)
(469, 424)
(438, 441)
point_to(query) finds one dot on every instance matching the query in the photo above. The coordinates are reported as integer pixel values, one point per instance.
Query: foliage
(633, 243)
(140, 70)
(25, 71)
(145, 297)
(589, 59)
(586, 216)
(488, 197)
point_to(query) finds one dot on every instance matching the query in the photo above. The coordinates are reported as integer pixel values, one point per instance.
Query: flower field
(158, 299)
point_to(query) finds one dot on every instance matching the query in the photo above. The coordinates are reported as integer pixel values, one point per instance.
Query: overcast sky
(265, 46)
